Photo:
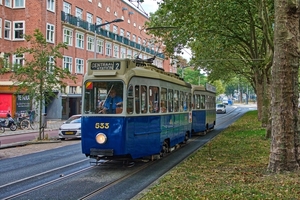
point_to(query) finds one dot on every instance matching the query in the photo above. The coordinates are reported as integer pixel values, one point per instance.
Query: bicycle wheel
(33, 125)
(24, 124)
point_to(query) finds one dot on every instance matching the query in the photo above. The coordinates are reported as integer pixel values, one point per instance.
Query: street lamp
(97, 26)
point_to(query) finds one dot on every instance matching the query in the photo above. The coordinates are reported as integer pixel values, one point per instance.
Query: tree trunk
(285, 152)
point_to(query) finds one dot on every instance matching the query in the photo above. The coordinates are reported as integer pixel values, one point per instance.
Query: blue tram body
(204, 112)
(156, 113)
(133, 137)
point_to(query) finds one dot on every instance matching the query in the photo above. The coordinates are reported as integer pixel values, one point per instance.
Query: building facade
(79, 25)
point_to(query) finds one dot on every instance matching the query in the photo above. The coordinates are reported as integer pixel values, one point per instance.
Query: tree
(227, 38)
(39, 76)
(285, 149)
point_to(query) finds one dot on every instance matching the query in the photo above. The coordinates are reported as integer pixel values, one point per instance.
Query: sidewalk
(51, 125)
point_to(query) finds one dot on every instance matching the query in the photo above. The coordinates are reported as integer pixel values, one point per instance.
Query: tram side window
(203, 102)
(189, 96)
(184, 103)
(163, 101)
(176, 100)
(144, 107)
(137, 99)
(170, 100)
(197, 101)
(153, 99)
(130, 100)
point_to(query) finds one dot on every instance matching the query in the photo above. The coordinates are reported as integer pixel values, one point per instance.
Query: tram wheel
(186, 138)
(165, 149)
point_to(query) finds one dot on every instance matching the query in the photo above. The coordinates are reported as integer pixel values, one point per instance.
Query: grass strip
(232, 166)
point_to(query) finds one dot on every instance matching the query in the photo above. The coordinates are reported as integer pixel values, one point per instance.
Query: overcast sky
(150, 6)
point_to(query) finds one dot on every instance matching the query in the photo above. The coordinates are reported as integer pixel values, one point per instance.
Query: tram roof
(134, 67)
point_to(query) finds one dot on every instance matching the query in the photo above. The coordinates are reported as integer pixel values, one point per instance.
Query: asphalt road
(65, 173)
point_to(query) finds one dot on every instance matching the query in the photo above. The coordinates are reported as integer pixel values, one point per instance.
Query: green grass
(232, 166)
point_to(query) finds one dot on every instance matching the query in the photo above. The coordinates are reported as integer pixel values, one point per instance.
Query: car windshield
(220, 106)
(74, 119)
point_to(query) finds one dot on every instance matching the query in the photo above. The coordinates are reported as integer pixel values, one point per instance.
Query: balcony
(67, 18)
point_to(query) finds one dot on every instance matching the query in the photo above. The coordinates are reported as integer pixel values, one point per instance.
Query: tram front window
(103, 97)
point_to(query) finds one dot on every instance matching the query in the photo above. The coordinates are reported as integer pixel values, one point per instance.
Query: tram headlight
(101, 138)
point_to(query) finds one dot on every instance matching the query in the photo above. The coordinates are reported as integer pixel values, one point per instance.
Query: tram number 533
(102, 125)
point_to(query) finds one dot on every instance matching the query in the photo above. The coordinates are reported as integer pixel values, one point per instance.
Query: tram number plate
(105, 65)
(69, 133)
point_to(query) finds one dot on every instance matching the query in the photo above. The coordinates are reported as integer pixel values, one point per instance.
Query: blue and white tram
(204, 108)
(154, 118)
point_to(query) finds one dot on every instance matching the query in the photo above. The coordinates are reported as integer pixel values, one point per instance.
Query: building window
(139, 40)
(107, 27)
(99, 48)
(50, 33)
(135, 54)
(72, 89)
(7, 29)
(8, 3)
(51, 5)
(79, 40)
(98, 20)
(116, 51)
(68, 36)
(128, 35)
(108, 49)
(129, 53)
(115, 29)
(89, 18)
(6, 60)
(78, 13)
(19, 30)
(79, 66)
(90, 43)
(19, 3)
(122, 32)
(123, 52)
(18, 60)
(67, 7)
(50, 64)
(68, 63)
(133, 38)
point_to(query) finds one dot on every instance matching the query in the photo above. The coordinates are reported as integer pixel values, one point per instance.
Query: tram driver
(112, 103)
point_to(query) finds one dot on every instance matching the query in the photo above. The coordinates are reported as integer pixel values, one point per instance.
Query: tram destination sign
(105, 65)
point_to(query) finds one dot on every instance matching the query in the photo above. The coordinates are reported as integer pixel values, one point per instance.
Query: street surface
(65, 173)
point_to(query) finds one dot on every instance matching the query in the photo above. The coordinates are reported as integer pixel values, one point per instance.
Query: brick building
(72, 22)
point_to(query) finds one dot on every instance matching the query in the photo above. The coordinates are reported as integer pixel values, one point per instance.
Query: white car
(71, 128)
(220, 108)
(225, 101)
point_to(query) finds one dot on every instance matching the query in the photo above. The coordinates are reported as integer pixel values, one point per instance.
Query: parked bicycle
(25, 121)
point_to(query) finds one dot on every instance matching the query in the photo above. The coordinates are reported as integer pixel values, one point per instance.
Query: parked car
(220, 108)
(71, 128)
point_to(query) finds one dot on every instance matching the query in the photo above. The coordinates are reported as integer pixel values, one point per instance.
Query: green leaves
(39, 76)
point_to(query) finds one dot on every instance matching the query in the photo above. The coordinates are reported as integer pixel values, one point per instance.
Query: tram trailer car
(155, 116)
(204, 109)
